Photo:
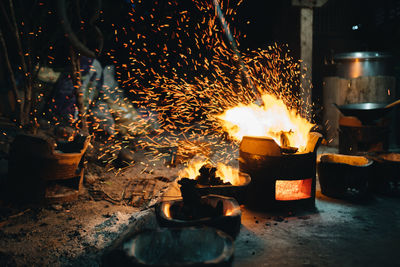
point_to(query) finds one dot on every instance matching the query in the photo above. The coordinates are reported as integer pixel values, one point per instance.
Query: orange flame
(166, 209)
(231, 211)
(269, 120)
(225, 172)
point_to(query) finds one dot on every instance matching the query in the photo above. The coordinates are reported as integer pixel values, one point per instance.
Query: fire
(225, 172)
(293, 190)
(272, 119)
(166, 209)
(231, 211)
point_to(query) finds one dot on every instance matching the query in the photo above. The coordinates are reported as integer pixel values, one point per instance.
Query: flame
(231, 211)
(225, 172)
(269, 120)
(166, 209)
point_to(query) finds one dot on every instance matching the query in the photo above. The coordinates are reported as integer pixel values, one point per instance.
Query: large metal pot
(358, 64)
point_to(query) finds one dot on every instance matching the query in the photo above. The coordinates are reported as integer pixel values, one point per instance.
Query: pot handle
(336, 105)
(395, 103)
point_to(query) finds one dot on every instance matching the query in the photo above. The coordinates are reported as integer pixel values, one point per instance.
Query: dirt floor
(75, 233)
(336, 233)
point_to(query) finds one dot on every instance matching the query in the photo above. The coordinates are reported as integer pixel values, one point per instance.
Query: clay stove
(357, 137)
(280, 179)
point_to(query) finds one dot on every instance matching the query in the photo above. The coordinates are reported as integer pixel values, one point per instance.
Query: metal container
(187, 246)
(357, 64)
(356, 138)
(229, 221)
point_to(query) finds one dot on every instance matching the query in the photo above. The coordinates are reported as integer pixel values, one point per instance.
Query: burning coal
(205, 173)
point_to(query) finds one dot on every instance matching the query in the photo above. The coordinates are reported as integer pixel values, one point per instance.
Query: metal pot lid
(361, 55)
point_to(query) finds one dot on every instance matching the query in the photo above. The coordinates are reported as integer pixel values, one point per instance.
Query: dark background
(267, 22)
(263, 22)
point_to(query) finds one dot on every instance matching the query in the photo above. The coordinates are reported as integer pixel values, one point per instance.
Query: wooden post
(306, 45)
(306, 48)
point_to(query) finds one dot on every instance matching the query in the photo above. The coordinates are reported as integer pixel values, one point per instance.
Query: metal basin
(229, 221)
(188, 246)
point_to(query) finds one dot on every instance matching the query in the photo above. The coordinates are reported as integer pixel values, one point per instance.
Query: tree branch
(69, 33)
(12, 77)
(76, 78)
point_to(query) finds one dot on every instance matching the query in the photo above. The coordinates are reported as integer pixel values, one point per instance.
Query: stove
(279, 179)
(357, 137)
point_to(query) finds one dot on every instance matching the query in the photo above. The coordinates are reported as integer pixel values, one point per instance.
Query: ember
(206, 174)
(293, 190)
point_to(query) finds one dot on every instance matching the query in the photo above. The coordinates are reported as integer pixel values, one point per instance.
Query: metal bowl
(188, 246)
(229, 222)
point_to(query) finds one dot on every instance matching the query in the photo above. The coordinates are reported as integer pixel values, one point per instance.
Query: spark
(184, 75)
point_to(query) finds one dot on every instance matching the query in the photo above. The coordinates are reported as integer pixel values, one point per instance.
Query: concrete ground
(336, 234)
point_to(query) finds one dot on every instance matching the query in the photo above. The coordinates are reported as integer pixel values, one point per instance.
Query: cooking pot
(357, 64)
(366, 112)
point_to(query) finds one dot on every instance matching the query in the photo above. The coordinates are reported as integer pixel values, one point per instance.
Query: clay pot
(344, 176)
(386, 173)
(35, 165)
